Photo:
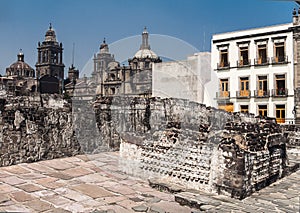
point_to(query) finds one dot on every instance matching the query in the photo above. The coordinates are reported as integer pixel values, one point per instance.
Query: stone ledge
(162, 185)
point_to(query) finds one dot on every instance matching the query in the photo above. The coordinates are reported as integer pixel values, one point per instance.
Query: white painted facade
(190, 79)
(233, 42)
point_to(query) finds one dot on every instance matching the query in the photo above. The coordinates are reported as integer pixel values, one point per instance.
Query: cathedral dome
(20, 68)
(145, 53)
(104, 47)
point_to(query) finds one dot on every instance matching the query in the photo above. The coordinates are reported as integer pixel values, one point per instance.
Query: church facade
(132, 80)
(22, 79)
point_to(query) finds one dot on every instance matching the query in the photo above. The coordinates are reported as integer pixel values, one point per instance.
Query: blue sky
(86, 22)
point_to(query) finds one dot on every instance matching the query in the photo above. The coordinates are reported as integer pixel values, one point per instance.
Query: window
(279, 52)
(244, 87)
(112, 90)
(280, 113)
(262, 90)
(263, 110)
(262, 54)
(224, 90)
(147, 64)
(224, 58)
(244, 58)
(244, 108)
(112, 77)
(280, 89)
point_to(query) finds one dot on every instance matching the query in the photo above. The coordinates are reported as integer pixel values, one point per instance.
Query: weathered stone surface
(31, 130)
(66, 199)
(4, 198)
(194, 146)
(156, 209)
(21, 196)
(92, 191)
(39, 205)
(140, 208)
(30, 187)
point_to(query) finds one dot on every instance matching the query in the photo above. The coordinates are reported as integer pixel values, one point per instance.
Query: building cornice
(252, 35)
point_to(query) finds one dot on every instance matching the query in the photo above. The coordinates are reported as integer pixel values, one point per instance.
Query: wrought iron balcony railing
(243, 94)
(223, 95)
(223, 66)
(243, 63)
(282, 92)
(261, 61)
(261, 93)
(280, 60)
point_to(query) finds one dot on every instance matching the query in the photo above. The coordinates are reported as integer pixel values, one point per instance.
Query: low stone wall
(203, 148)
(34, 128)
(292, 133)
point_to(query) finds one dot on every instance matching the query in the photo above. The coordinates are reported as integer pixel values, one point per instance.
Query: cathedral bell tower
(50, 57)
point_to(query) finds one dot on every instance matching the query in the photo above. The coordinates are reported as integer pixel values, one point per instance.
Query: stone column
(296, 48)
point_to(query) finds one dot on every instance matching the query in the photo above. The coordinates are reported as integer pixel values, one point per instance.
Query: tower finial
(73, 53)
(104, 40)
(50, 26)
(145, 44)
(20, 56)
(145, 30)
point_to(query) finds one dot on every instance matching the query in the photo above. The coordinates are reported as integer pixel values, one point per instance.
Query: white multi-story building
(257, 70)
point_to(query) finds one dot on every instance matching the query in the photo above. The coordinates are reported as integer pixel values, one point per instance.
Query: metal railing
(223, 95)
(261, 93)
(243, 94)
(243, 63)
(222, 66)
(282, 92)
(261, 61)
(280, 60)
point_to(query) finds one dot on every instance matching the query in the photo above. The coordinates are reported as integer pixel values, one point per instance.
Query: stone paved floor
(79, 184)
(94, 183)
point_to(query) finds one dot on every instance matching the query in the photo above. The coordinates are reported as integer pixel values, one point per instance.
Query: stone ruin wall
(34, 128)
(197, 147)
(181, 141)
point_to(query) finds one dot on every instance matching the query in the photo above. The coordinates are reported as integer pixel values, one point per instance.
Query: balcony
(283, 92)
(261, 61)
(243, 94)
(261, 93)
(280, 60)
(244, 63)
(223, 95)
(280, 120)
(223, 66)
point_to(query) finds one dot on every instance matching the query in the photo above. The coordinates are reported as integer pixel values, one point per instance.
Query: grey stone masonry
(198, 147)
(35, 128)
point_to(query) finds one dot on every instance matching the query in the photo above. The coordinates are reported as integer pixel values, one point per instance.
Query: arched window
(113, 90)
(112, 76)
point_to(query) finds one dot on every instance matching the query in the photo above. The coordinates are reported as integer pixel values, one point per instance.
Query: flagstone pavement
(95, 183)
